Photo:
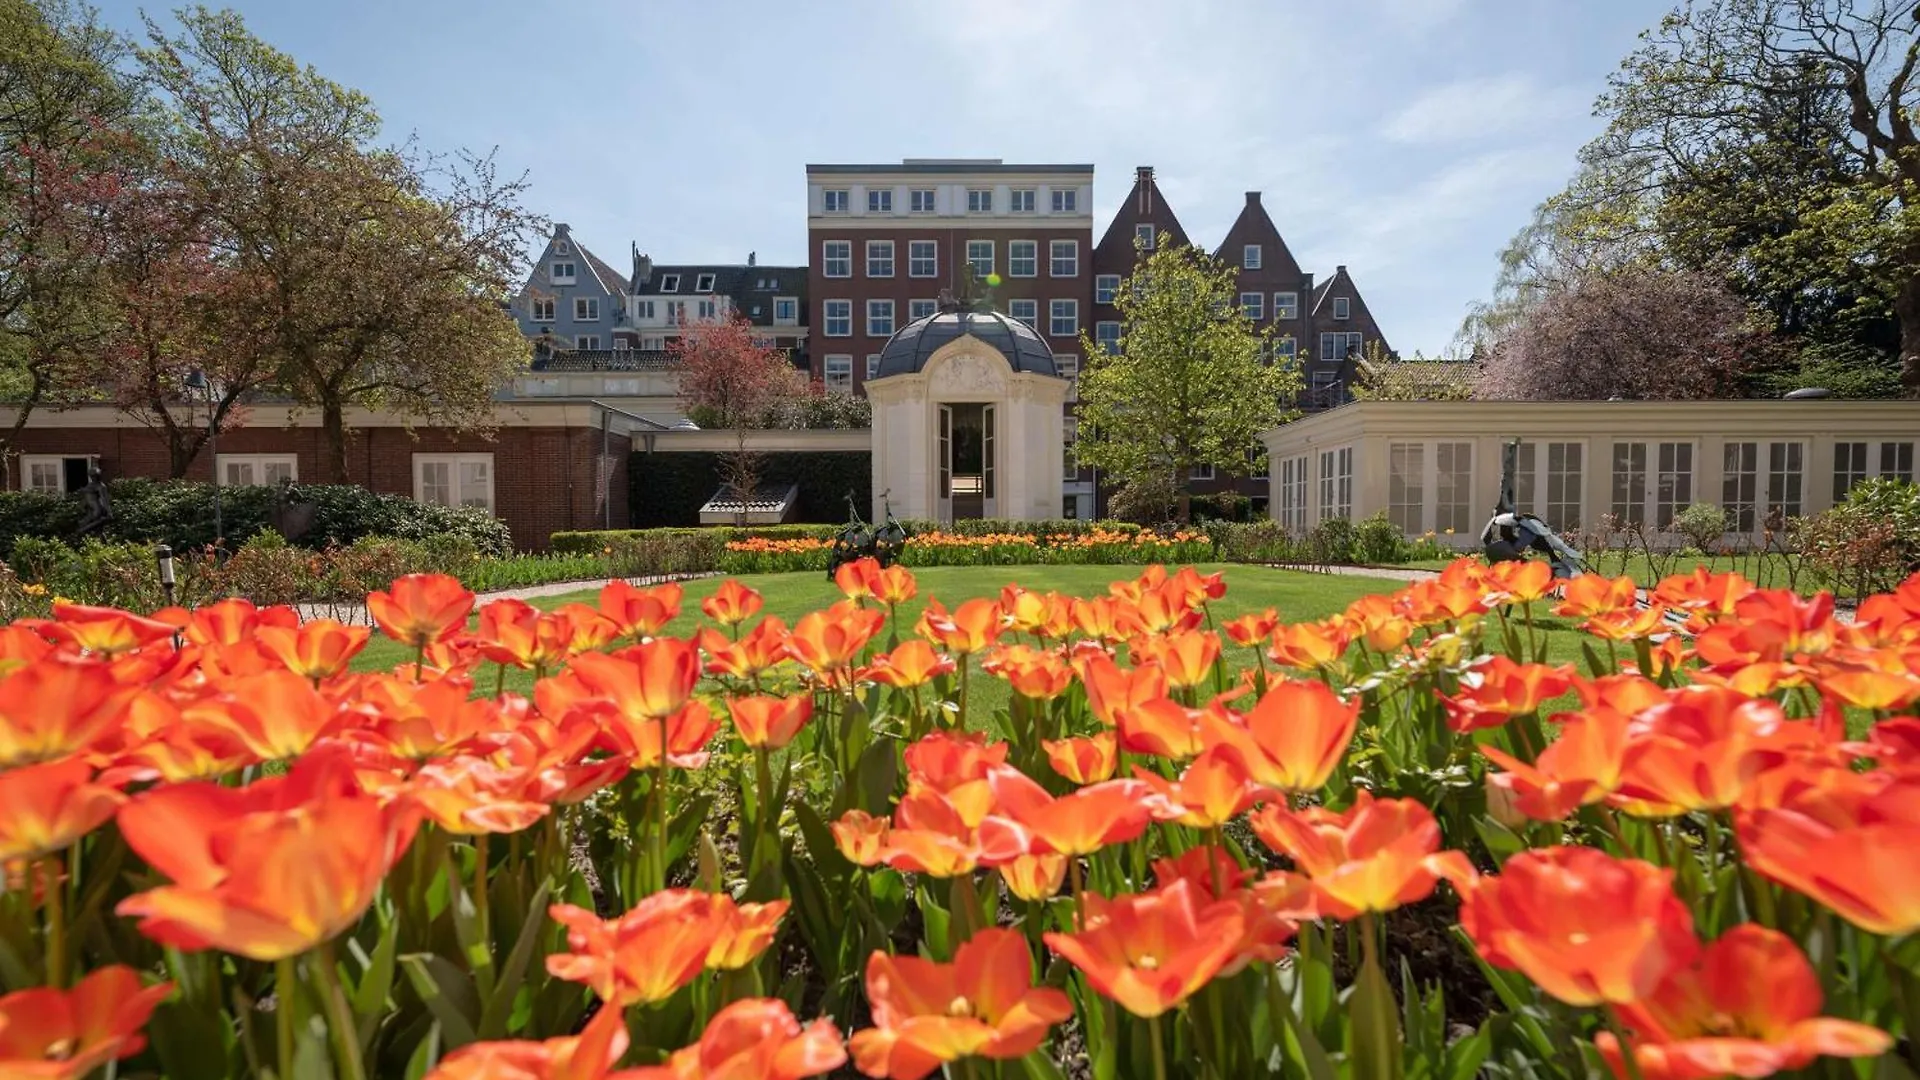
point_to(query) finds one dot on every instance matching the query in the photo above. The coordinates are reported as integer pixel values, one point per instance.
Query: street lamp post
(197, 380)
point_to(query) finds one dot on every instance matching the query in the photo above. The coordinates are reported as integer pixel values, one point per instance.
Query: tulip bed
(761, 850)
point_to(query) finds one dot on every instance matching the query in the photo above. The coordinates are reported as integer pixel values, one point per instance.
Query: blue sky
(1407, 139)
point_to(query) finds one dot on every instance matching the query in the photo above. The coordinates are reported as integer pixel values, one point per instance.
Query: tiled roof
(610, 279)
(751, 288)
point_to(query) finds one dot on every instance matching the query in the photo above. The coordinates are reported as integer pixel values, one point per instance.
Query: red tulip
(51, 1034)
(421, 608)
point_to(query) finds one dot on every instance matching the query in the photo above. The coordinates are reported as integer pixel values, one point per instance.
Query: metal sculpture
(98, 501)
(859, 541)
(1509, 534)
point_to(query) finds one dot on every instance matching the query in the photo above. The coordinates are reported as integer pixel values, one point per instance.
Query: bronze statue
(98, 500)
(290, 518)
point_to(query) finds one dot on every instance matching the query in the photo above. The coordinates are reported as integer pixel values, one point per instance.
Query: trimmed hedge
(180, 513)
(597, 541)
(668, 489)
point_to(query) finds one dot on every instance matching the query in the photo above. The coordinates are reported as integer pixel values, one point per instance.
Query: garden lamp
(197, 380)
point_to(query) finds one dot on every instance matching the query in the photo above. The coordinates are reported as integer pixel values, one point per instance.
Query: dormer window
(670, 283)
(562, 273)
(703, 284)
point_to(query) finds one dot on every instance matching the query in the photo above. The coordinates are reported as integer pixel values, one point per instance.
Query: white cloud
(1483, 108)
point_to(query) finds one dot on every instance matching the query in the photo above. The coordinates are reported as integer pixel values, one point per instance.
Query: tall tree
(387, 270)
(732, 379)
(1190, 384)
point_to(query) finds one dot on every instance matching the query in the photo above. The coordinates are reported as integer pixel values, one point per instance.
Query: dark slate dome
(907, 351)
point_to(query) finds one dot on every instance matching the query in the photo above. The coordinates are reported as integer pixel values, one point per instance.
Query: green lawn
(1768, 570)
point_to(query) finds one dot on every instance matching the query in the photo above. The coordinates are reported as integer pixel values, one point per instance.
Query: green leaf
(822, 852)
(499, 1007)
(686, 825)
(1373, 1035)
(371, 993)
(448, 994)
(936, 919)
(425, 1055)
(1465, 1056)
(1039, 1066)
(191, 1043)
(888, 888)
(1502, 843)
(876, 777)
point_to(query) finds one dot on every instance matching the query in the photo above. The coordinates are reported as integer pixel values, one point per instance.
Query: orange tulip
(1498, 689)
(1707, 597)
(421, 608)
(1588, 928)
(1253, 630)
(419, 721)
(911, 663)
(1749, 1005)
(57, 707)
(1702, 748)
(51, 1034)
(21, 644)
(643, 956)
(931, 836)
(758, 651)
(1157, 611)
(1308, 646)
(234, 621)
(1034, 877)
(732, 603)
(1097, 618)
(746, 931)
(1079, 823)
(515, 632)
(1588, 595)
(586, 628)
(47, 807)
(1112, 688)
(648, 681)
(1212, 791)
(181, 751)
(1187, 657)
(1849, 846)
(1580, 767)
(1030, 672)
(895, 586)
(1374, 856)
(861, 837)
(955, 766)
(1379, 621)
(555, 759)
(639, 613)
(829, 641)
(275, 715)
(317, 649)
(769, 723)
(1165, 728)
(470, 796)
(586, 1056)
(1894, 744)
(1150, 952)
(104, 631)
(1520, 581)
(856, 579)
(1083, 760)
(1211, 871)
(1293, 738)
(966, 630)
(269, 870)
(983, 1004)
(752, 1039)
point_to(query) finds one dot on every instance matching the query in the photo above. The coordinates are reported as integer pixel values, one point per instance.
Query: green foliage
(668, 489)
(1703, 524)
(1190, 385)
(180, 513)
(1870, 542)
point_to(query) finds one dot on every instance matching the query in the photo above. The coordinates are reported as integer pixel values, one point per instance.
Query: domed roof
(907, 351)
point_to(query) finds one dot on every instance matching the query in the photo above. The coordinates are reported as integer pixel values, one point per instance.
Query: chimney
(561, 228)
(752, 258)
(642, 268)
(1143, 183)
(1253, 198)
(1338, 270)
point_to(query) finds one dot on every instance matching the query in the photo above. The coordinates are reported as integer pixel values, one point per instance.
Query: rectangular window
(1107, 334)
(1896, 461)
(1286, 305)
(1201, 472)
(837, 255)
(920, 309)
(1027, 311)
(836, 201)
(1340, 307)
(1067, 366)
(1250, 257)
(643, 309)
(563, 273)
(1023, 258)
(920, 200)
(1740, 485)
(1406, 486)
(561, 247)
(879, 200)
(669, 283)
(264, 470)
(676, 312)
(1673, 483)
(454, 480)
(980, 200)
(653, 341)
(923, 258)
(1253, 304)
(1452, 487)
(703, 283)
(706, 310)
(1064, 258)
(1104, 286)
(839, 372)
(1065, 200)
(879, 258)
(1549, 488)
(587, 342)
(980, 258)
(1022, 200)
(1629, 505)
(839, 318)
(1143, 236)
(1293, 494)
(786, 310)
(879, 318)
(1069, 463)
(53, 474)
(873, 366)
(1288, 350)
(1063, 318)
(1786, 468)
(1257, 463)
(543, 309)
(1336, 483)
(1651, 482)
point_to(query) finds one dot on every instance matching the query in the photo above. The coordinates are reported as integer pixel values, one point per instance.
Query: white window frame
(1287, 349)
(1144, 235)
(1023, 266)
(1069, 458)
(974, 260)
(703, 283)
(880, 258)
(1031, 309)
(535, 308)
(1250, 256)
(564, 273)
(1652, 468)
(1286, 305)
(1783, 488)
(1875, 452)
(1253, 305)
(920, 201)
(1342, 309)
(1202, 471)
(920, 309)
(1336, 483)
(828, 318)
(979, 200)
(1056, 319)
(837, 373)
(836, 195)
(586, 309)
(1453, 513)
(1066, 201)
(669, 283)
(873, 366)
(226, 463)
(59, 463)
(1067, 366)
(643, 310)
(1556, 495)
(1105, 288)
(1293, 494)
(706, 310)
(829, 260)
(879, 200)
(923, 265)
(1071, 260)
(1106, 334)
(1022, 201)
(880, 318)
(456, 484)
(792, 317)
(1407, 486)
(587, 342)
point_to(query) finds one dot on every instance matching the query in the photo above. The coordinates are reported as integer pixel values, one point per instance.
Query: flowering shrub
(769, 850)
(757, 555)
